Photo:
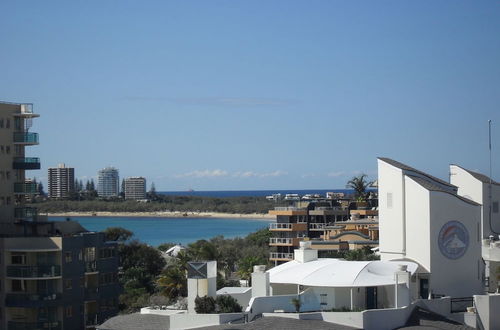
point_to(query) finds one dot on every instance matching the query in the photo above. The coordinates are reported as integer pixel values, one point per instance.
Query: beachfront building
(61, 181)
(330, 224)
(135, 188)
(108, 184)
(53, 275)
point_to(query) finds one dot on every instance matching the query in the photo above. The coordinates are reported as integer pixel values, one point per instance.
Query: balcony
(317, 226)
(26, 111)
(25, 188)
(288, 210)
(31, 300)
(26, 138)
(288, 226)
(25, 212)
(279, 241)
(26, 163)
(91, 320)
(90, 266)
(52, 325)
(278, 256)
(34, 271)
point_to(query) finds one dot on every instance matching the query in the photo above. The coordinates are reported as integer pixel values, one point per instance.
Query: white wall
(472, 188)
(391, 218)
(488, 307)
(461, 277)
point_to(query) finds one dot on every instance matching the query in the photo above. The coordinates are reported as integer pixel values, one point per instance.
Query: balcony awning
(338, 273)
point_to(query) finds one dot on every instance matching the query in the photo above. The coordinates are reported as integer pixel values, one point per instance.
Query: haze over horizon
(260, 95)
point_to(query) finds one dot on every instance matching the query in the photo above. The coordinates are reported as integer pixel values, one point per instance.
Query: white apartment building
(108, 182)
(61, 181)
(135, 188)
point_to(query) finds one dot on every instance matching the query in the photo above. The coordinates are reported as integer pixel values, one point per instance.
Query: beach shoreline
(257, 216)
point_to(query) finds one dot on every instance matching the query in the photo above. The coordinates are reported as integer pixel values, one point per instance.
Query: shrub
(204, 305)
(228, 304)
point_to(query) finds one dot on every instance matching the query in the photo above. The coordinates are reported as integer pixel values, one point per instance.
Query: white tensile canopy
(338, 273)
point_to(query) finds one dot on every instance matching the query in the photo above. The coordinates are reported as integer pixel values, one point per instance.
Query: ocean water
(252, 193)
(155, 231)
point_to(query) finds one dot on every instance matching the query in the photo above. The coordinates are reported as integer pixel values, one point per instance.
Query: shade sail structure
(338, 273)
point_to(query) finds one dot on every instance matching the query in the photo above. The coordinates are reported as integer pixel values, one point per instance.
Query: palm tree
(359, 184)
(172, 282)
(245, 268)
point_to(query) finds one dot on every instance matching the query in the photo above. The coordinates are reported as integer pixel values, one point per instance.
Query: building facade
(61, 181)
(423, 219)
(53, 275)
(135, 188)
(108, 182)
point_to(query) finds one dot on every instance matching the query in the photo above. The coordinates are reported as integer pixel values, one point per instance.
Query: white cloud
(223, 173)
(203, 174)
(336, 174)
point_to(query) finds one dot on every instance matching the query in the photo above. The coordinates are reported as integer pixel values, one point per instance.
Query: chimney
(305, 253)
(260, 281)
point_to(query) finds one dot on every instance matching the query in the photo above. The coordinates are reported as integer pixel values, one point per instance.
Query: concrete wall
(391, 217)
(386, 318)
(418, 232)
(460, 277)
(488, 307)
(259, 305)
(472, 188)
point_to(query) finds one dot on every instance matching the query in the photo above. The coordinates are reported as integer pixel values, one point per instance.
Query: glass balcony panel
(31, 299)
(26, 137)
(48, 325)
(34, 271)
(26, 163)
(25, 212)
(25, 188)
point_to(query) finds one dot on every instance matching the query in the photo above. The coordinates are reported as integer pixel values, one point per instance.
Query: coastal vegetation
(163, 203)
(360, 185)
(147, 275)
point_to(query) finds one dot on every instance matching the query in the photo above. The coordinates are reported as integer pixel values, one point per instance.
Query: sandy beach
(166, 215)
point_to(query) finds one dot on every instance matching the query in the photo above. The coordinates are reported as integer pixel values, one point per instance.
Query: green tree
(227, 304)
(117, 234)
(245, 267)
(172, 282)
(204, 305)
(359, 184)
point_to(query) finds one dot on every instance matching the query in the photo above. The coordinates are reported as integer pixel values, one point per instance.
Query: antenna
(490, 174)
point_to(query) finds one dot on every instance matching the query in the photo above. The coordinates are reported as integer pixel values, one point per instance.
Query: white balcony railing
(280, 240)
(317, 226)
(279, 255)
(280, 226)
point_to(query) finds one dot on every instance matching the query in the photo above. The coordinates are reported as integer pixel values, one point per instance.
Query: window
(82, 282)
(495, 207)
(106, 253)
(80, 255)
(323, 298)
(7, 175)
(7, 149)
(8, 200)
(18, 285)
(69, 311)
(67, 284)
(2, 149)
(389, 200)
(1, 123)
(67, 257)
(18, 258)
(7, 123)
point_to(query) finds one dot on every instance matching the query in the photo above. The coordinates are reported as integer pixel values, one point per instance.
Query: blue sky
(243, 95)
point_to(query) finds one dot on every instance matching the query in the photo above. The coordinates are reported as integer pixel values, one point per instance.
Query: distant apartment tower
(108, 182)
(61, 181)
(135, 188)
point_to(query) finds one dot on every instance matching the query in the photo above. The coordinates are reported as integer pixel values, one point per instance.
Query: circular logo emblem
(453, 240)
